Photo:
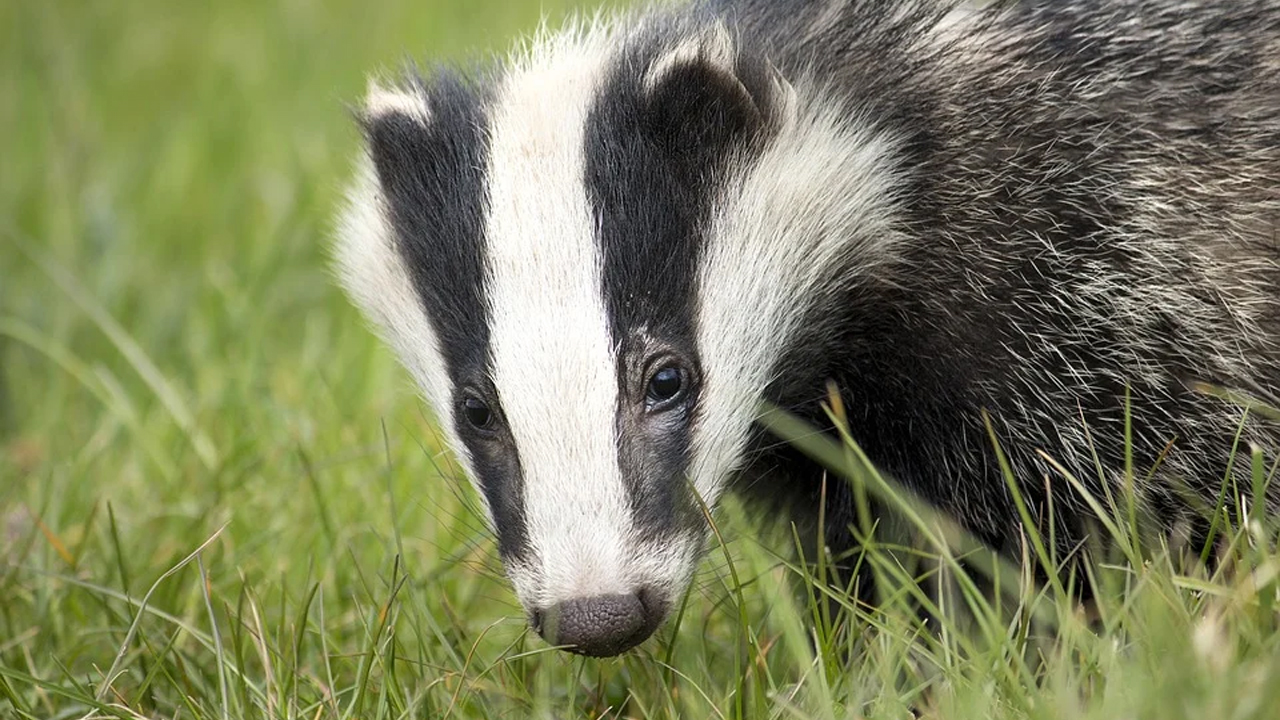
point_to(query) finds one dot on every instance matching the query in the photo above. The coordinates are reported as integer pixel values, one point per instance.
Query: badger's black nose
(599, 626)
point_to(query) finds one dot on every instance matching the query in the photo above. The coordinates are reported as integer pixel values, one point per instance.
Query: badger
(602, 257)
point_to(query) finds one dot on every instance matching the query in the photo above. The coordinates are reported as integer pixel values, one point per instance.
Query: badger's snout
(600, 626)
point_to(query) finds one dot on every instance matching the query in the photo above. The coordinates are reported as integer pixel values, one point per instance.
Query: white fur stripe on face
(820, 194)
(552, 357)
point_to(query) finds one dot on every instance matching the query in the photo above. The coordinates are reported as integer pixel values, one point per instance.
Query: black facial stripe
(651, 164)
(433, 179)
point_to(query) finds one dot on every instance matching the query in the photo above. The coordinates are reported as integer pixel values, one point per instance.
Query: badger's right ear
(382, 103)
(706, 94)
(396, 123)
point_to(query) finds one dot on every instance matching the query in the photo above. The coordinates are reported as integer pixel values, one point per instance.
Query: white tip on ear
(713, 46)
(380, 101)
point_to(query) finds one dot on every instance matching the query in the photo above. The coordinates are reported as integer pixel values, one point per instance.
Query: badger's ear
(383, 103)
(705, 93)
(396, 122)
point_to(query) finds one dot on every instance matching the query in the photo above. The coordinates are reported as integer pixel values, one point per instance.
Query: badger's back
(601, 257)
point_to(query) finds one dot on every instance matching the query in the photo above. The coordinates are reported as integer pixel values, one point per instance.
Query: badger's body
(600, 258)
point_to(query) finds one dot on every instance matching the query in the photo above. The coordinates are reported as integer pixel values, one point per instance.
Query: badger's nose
(599, 626)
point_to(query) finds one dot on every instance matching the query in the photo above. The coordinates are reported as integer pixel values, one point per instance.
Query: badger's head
(592, 263)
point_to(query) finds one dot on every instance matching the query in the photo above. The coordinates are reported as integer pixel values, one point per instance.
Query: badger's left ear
(705, 93)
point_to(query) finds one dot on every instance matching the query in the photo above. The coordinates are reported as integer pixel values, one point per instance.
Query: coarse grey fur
(1092, 198)
(1058, 213)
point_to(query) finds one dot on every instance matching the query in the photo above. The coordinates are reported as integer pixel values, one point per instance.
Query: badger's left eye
(665, 385)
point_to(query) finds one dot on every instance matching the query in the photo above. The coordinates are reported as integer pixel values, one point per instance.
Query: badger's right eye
(477, 413)
(665, 384)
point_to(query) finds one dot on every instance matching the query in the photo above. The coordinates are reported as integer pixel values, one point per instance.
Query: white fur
(553, 363)
(820, 195)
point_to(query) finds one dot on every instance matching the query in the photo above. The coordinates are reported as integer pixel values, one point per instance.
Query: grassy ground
(220, 499)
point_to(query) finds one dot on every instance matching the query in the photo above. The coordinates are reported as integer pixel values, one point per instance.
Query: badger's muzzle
(601, 626)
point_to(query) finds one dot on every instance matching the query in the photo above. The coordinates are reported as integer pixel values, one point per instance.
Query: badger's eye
(477, 413)
(665, 385)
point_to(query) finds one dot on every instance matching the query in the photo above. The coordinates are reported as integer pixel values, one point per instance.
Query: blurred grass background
(177, 372)
(173, 356)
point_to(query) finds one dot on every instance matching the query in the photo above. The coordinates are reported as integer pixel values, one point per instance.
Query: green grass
(219, 497)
